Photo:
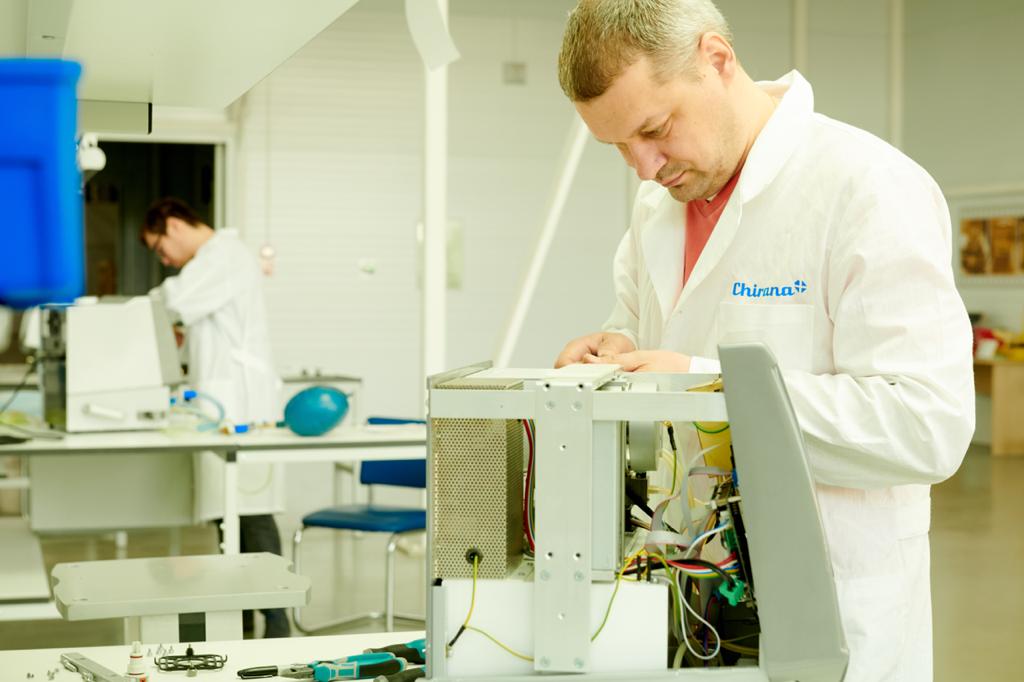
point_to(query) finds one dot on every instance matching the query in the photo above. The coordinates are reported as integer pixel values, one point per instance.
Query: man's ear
(716, 51)
(174, 226)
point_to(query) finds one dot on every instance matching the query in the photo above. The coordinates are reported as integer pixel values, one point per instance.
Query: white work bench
(16, 665)
(345, 444)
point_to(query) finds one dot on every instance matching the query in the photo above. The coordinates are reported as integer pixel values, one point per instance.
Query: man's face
(172, 248)
(682, 133)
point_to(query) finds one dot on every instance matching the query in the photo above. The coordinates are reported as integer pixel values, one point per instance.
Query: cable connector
(474, 556)
(733, 592)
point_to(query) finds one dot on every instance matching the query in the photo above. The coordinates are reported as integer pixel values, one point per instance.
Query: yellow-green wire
(472, 603)
(618, 581)
(503, 646)
(472, 599)
(469, 615)
(675, 462)
(710, 432)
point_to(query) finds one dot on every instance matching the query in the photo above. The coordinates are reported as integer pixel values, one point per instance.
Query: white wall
(964, 98)
(345, 147)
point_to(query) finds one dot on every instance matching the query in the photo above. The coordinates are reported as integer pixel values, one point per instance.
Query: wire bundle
(528, 427)
(677, 554)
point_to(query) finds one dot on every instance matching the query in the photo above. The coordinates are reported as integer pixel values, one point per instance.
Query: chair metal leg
(389, 586)
(388, 612)
(296, 554)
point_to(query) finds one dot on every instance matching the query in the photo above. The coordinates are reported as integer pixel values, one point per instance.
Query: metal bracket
(563, 415)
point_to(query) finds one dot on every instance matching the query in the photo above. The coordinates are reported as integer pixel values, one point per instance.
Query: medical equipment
(90, 670)
(107, 364)
(495, 609)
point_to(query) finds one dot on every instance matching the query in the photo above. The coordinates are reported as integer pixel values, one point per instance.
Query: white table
(154, 594)
(277, 445)
(15, 665)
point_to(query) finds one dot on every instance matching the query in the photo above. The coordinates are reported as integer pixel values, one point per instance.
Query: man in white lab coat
(760, 219)
(218, 294)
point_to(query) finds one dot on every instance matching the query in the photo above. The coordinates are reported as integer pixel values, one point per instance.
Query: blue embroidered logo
(754, 291)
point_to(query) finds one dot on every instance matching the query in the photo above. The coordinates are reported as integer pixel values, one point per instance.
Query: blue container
(316, 410)
(42, 259)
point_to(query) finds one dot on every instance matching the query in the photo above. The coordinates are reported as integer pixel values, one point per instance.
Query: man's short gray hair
(604, 37)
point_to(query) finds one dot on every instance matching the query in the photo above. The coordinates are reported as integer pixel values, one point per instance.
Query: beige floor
(977, 559)
(978, 570)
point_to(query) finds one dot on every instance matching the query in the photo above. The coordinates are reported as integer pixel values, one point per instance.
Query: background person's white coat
(835, 250)
(219, 297)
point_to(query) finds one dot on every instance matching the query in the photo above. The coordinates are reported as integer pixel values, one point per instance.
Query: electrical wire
(528, 492)
(707, 617)
(615, 591)
(675, 455)
(695, 568)
(739, 649)
(640, 523)
(21, 385)
(718, 640)
(469, 615)
(710, 432)
(715, 569)
(472, 603)
(503, 646)
(704, 537)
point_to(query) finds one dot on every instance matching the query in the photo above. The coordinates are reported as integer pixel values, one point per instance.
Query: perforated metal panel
(477, 486)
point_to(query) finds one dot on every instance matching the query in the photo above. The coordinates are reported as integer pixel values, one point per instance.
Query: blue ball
(315, 410)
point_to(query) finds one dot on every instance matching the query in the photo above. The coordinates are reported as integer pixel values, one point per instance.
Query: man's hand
(644, 361)
(598, 345)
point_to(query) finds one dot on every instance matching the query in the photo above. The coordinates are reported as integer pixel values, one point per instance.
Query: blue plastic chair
(372, 518)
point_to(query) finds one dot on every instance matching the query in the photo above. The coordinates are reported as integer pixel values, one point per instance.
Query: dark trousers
(259, 533)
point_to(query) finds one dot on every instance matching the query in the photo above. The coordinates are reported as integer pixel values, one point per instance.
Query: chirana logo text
(754, 291)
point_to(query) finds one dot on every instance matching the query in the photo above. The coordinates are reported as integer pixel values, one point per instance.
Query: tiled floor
(977, 562)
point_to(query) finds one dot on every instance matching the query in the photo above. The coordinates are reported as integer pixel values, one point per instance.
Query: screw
(579, 576)
(578, 662)
(544, 575)
(544, 662)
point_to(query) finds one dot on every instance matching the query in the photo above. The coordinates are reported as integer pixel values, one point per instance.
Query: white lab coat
(219, 297)
(835, 249)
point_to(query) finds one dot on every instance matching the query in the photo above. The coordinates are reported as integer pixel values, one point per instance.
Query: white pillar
(801, 30)
(571, 153)
(896, 73)
(435, 214)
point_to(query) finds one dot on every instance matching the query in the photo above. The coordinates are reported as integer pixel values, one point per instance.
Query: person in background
(218, 296)
(760, 219)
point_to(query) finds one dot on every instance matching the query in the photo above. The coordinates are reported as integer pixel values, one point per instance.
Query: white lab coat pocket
(874, 604)
(786, 328)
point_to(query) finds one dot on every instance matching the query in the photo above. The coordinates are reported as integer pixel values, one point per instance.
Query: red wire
(682, 564)
(526, 492)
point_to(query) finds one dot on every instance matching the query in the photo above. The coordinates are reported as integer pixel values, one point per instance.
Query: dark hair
(168, 207)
